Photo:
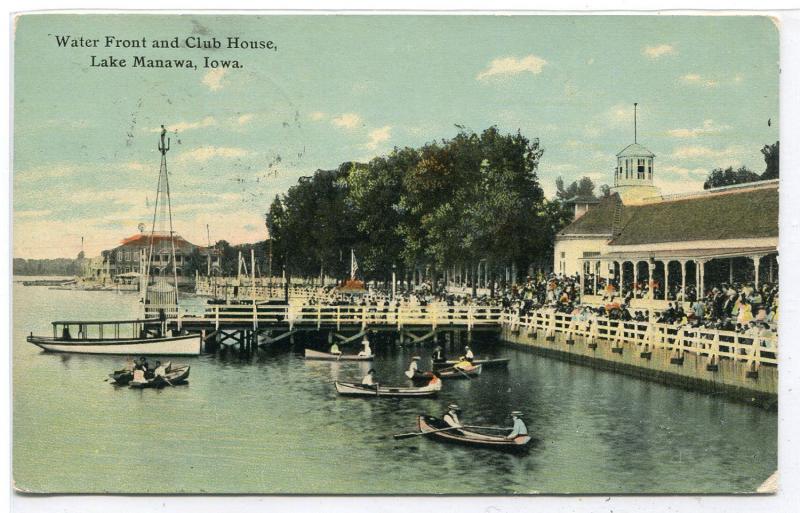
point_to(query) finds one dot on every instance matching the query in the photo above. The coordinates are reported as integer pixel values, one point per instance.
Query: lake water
(274, 424)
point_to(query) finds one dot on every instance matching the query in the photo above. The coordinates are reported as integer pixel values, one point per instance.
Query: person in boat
(463, 364)
(413, 366)
(160, 370)
(367, 351)
(142, 365)
(438, 354)
(451, 417)
(519, 428)
(369, 379)
(335, 349)
(468, 355)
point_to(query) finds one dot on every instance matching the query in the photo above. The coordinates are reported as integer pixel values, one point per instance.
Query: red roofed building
(127, 257)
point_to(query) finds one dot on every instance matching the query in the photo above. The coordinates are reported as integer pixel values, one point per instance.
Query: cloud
(45, 172)
(695, 79)
(622, 115)
(654, 52)
(137, 166)
(690, 133)
(25, 214)
(683, 185)
(348, 120)
(682, 172)
(379, 136)
(208, 152)
(244, 119)
(704, 152)
(213, 79)
(184, 126)
(513, 66)
(317, 116)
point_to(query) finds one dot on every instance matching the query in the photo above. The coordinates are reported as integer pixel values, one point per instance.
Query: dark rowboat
(358, 389)
(319, 355)
(175, 376)
(421, 378)
(459, 373)
(486, 362)
(427, 423)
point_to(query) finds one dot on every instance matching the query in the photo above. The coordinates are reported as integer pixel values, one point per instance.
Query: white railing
(434, 315)
(259, 289)
(712, 344)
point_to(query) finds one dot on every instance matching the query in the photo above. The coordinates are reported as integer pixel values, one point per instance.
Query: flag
(353, 265)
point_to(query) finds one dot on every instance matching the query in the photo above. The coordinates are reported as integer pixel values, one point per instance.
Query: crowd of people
(740, 307)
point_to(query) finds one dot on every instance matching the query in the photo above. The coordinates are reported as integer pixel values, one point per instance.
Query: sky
(341, 88)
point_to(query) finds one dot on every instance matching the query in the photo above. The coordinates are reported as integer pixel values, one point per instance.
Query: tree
(582, 188)
(771, 158)
(448, 203)
(723, 177)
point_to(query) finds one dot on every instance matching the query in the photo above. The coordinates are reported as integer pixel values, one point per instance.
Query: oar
(403, 436)
(489, 428)
(462, 372)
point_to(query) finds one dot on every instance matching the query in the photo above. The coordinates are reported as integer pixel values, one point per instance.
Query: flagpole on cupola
(634, 123)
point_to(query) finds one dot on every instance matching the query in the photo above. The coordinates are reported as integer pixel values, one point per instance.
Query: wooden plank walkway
(263, 316)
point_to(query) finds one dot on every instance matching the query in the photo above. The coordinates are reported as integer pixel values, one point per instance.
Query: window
(627, 172)
(650, 168)
(562, 254)
(640, 168)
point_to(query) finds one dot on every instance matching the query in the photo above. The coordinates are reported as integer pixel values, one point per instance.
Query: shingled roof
(597, 220)
(728, 214)
(736, 213)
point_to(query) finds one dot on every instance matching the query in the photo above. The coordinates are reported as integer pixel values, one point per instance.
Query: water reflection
(270, 421)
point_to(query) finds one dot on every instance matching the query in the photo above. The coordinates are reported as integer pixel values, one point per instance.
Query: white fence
(712, 344)
(435, 315)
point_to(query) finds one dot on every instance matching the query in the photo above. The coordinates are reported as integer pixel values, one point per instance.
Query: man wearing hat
(468, 354)
(367, 351)
(412, 367)
(369, 379)
(438, 354)
(451, 417)
(519, 429)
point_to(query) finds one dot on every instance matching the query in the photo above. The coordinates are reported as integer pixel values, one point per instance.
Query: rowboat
(175, 376)
(420, 378)
(124, 376)
(427, 424)
(182, 345)
(357, 389)
(486, 362)
(319, 355)
(459, 373)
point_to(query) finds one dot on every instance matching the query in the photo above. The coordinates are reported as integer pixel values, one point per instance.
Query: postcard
(395, 254)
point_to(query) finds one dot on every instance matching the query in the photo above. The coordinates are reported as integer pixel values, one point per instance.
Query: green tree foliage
(583, 188)
(722, 177)
(449, 203)
(46, 267)
(771, 158)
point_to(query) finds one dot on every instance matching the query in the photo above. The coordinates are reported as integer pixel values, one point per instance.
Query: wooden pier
(251, 324)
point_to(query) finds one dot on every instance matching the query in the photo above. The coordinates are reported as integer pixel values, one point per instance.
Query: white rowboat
(319, 355)
(387, 391)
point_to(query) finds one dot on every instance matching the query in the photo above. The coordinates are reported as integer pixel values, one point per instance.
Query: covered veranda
(664, 274)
